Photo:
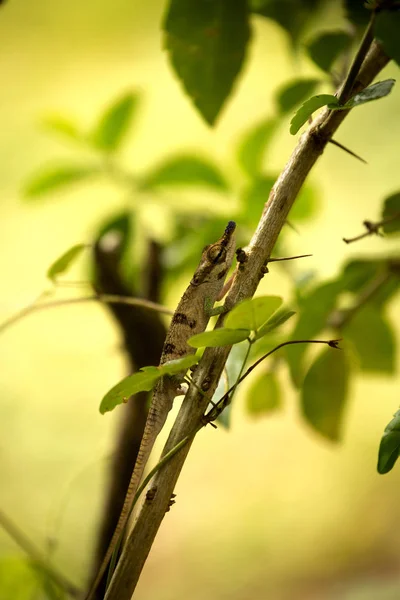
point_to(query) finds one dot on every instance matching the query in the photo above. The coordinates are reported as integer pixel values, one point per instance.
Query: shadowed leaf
(373, 92)
(324, 393)
(391, 210)
(295, 92)
(253, 145)
(389, 448)
(387, 27)
(325, 48)
(206, 42)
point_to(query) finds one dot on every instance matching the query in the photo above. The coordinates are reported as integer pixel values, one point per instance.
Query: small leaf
(206, 43)
(184, 170)
(278, 319)
(173, 367)
(252, 313)
(252, 147)
(264, 395)
(142, 381)
(53, 179)
(324, 393)
(295, 92)
(326, 47)
(387, 27)
(62, 126)
(373, 340)
(114, 123)
(218, 337)
(389, 448)
(307, 109)
(62, 263)
(373, 92)
(391, 210)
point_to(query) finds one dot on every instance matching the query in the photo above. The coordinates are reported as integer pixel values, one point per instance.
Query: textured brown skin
(189, 318)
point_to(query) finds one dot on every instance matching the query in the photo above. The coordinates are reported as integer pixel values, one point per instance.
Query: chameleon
(191, 317)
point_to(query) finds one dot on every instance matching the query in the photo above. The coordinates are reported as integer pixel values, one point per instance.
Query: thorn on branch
(339, 145)
(372, 228)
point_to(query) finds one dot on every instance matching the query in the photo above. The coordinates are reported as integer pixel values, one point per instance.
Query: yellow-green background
(268, 509)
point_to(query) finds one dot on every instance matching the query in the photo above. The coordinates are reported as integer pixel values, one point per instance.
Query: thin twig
(372, 228)
(36, 556)
(227, 397)
(105, 298)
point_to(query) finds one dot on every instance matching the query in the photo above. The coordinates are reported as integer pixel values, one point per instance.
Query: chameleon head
(216, 258)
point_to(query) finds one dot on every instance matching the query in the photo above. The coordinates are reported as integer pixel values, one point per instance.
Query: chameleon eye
(216, 253)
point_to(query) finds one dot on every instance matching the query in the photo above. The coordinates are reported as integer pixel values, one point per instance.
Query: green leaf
(113, 124)
(62, 263)
(373, 340)
(264, 395)
(291, 15)
(254, 198)
(142, 381)
(391, 210)
(389, 448)
(252, 147)
(295, 92)
(18, 580)
(206, 42)
(53, 179)
(307, 109)
(357, 12)
(178, 365)
(387, 27)
(218, 337)
(315, 309)
(373, 92)
(62, 126)
(184, 170)
(278, 319)
(324, 393)
(326, 47)
(306, 205)
(252, 313)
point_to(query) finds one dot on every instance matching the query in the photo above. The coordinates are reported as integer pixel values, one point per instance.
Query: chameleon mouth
(230, 228)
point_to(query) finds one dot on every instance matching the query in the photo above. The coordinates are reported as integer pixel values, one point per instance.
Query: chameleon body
(191, 317)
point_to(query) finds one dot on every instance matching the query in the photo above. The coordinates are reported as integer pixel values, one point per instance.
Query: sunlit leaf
(54, 179)
(62, 263)
(252, 147)
(184, 170)
(373, 340)
(324, 393)
(62, 126)
(142, 381)
(252, 313)
(113, 124)
(277, 319)
(218, 337)
(295, 92)
(326, 47)
(264, 396)
(387, 27)
(173, 367)
(373, 92)
(389, 448)
(206, 43)
(18, 580)
(307, 109)
(391, 213)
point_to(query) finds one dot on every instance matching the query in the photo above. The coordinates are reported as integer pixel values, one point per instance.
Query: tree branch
(282, 196)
